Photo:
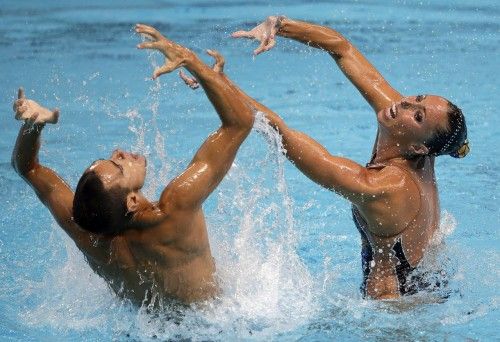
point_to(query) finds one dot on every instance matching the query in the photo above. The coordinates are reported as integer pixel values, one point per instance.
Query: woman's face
(414, 119)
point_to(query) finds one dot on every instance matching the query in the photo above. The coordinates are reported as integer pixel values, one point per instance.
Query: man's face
(415, 118)
(123, 169)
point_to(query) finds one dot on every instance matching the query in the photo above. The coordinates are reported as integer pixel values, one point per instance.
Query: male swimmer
(394, 198)
(146, 250)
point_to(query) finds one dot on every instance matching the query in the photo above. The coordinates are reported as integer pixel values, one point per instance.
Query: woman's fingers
(265, 33)
(262, 46)
(270, 45)
(266, 45)
(243, 34)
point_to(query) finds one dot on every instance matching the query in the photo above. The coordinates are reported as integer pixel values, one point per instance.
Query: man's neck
(147, 215)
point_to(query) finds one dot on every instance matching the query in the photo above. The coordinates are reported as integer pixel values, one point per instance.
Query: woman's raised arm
(370, 83)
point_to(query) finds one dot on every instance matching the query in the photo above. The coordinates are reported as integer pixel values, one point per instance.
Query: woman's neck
(388, 151)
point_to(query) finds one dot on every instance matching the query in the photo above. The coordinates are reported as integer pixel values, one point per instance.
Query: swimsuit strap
(366, 249)
(403, 268)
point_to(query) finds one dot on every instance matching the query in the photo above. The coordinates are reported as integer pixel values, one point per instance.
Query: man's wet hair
(450, 141)
(97, 209)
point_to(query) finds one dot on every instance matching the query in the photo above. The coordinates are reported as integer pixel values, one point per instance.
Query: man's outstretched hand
(265, 33)
(218, 67)
(32, 113)
(176, 55)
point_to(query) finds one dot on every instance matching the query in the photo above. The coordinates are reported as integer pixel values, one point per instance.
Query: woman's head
(106, 194)
(425, 125)
(452, 141)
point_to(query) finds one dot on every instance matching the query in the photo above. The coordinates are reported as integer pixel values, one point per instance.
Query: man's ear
(419, 149)
(132, 202)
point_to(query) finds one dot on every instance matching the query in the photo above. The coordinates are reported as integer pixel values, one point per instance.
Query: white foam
(446, 227)
(266, 288)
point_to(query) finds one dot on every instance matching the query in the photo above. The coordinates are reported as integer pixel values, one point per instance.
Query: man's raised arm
(370, 83)
(54, 193)
(341, 175)
(216, 154)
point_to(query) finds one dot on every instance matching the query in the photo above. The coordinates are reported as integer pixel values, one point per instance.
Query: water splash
(446, 228)
(70, 296)
(264, 280)
(266, 288)
(158, 175)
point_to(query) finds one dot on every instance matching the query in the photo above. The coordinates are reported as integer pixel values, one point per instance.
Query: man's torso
(171, 260)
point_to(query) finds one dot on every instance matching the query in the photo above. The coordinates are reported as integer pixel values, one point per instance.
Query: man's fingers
(18, 116)
(20, 93)
(165, 69)
(17, 104)
(242, 34)
(55, 117)
(190, 81)
(148, 30)
(32, 119)
(148, 45)
(219, 60)
(20, 111)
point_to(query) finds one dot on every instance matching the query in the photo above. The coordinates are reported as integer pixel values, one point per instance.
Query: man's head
(107, 194)
(425, 125)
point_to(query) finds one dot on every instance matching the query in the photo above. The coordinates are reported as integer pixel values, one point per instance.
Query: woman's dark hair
(97, 209)
(452, 140)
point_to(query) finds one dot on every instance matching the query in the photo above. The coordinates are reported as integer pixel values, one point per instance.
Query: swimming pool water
(287, 252)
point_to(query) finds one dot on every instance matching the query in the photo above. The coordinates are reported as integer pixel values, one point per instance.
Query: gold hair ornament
(464, 149)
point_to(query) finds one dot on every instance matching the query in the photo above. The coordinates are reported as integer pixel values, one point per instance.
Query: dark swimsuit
(410, 282)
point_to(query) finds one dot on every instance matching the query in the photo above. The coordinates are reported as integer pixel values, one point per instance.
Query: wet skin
(396, 195)
(163, 252)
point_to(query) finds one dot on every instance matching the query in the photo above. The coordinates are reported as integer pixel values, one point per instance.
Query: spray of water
(266, 289)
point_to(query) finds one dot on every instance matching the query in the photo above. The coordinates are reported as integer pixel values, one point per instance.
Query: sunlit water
(286, 250)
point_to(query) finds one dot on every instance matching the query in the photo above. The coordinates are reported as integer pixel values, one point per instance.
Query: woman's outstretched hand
(32, 113)
(176, 55)
(264, 32)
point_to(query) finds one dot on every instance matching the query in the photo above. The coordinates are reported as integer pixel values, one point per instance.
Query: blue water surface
(286, 250)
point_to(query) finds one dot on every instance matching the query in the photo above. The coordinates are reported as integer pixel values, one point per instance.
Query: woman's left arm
(365, 77)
